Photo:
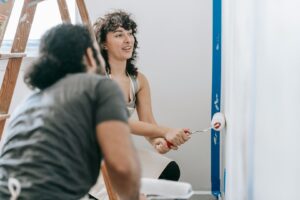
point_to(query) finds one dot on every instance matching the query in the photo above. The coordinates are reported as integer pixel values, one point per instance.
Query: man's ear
(103, 46)
(89, 59)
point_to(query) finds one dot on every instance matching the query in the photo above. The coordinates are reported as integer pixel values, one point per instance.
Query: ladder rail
(109, 188)
(85, 16)
(5, 12)
(14, 64)
(64, 11)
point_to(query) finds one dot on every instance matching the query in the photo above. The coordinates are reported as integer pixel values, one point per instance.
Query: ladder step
(4, 116)
(4, 56)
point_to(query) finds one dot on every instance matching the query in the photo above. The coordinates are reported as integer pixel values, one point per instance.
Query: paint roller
(218, 122)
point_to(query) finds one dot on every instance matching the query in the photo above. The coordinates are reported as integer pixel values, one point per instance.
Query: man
(58, 136)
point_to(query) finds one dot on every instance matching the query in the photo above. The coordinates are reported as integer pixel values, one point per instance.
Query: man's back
(51, 138)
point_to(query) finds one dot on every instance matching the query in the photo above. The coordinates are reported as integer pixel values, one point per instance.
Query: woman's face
(119, 44)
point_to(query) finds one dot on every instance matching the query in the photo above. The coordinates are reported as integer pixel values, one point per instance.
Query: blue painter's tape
(216, 95)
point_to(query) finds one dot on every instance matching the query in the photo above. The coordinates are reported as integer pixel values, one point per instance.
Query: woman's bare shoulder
(141, 77)
(142, 80)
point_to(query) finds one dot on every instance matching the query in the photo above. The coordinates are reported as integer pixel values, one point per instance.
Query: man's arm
(120, 158)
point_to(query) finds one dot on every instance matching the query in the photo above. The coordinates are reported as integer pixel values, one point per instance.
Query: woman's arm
(150, 129)
(143, 103)
(153, 131)
(146, 129)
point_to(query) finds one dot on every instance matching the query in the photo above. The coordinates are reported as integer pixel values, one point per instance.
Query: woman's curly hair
(110, 22)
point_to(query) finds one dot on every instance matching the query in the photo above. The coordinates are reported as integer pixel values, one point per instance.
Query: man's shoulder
(85, 79)
(92, 82)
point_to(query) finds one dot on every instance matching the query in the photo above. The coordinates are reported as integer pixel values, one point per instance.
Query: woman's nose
(128, 38)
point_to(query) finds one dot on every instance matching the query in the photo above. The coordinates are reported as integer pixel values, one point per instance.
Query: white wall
(261, 71)
(175, 55)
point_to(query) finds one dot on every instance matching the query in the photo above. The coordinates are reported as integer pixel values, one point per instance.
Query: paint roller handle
(169, 144)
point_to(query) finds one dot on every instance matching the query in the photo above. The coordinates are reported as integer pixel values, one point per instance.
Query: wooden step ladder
(17, 54)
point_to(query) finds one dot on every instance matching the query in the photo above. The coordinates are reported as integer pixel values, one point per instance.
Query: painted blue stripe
(216, 95)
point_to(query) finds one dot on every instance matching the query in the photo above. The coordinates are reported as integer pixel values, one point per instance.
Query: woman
(115, 33)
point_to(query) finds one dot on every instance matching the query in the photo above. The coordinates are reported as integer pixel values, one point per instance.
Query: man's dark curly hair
(61, 52)
(110, 22)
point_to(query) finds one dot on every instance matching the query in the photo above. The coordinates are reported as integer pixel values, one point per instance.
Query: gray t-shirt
(51, 146)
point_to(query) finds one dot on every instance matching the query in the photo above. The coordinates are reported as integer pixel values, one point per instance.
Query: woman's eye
(131, 34)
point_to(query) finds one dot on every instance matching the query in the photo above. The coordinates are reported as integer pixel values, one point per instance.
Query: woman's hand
(173, 139)
(160, 145)
(177, 136)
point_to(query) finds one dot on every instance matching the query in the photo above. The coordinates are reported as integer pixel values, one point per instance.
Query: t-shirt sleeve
(110, 103)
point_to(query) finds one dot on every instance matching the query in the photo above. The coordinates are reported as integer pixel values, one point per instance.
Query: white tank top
(134, 87)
